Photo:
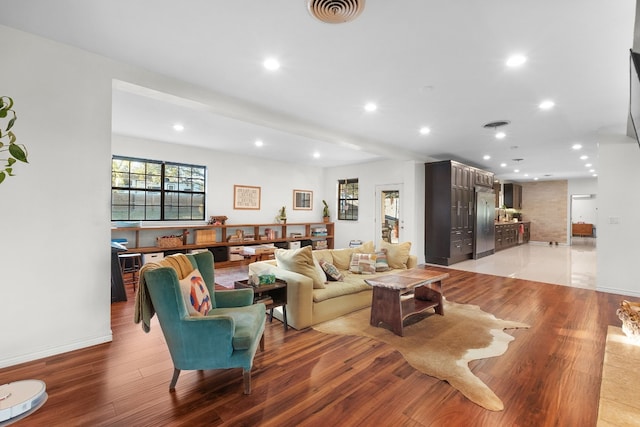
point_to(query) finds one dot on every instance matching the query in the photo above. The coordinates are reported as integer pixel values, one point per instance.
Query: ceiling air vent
(496, 124)
(335, 11)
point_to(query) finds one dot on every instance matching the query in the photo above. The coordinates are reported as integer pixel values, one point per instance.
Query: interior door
(389, 223)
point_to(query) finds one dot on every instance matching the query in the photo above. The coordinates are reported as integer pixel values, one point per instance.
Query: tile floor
(573, 265)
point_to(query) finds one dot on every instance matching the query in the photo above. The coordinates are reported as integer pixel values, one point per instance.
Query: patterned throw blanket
(144, 310)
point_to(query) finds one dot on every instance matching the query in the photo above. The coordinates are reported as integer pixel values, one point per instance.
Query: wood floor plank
(549, 376)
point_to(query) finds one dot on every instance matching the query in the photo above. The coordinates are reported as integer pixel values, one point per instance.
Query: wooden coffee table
(398, 296)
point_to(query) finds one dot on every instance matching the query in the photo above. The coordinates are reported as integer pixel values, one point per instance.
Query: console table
(398, 296)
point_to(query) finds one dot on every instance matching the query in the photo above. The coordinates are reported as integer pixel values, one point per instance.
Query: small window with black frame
(348, 199)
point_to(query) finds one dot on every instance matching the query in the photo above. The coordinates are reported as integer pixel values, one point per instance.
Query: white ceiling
(431, 63)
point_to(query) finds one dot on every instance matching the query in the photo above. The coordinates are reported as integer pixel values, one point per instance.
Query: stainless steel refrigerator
(485, 229)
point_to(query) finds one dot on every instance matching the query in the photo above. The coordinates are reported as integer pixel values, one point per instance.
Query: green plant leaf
(12, 137)
(6, 102)
(2, 177)
(12, 121)
(17, 152)
(11, 161)
(9, 171)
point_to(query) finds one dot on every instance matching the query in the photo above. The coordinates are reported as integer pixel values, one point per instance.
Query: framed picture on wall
(302, 200)
(246, 197)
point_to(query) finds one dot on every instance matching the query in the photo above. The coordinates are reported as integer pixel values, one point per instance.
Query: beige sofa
(309, 304)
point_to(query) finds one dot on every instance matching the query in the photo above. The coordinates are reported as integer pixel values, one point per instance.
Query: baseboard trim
(53, 351)
(625, 292)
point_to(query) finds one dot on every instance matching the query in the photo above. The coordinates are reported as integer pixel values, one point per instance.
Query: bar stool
(130, 265)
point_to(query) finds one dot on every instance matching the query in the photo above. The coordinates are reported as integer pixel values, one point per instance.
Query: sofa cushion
(363, 263)
(333, 274)
(397, 253)
(382, 264)
(195, 294)
(323, 255)
(342, 258)
(301, 261)
(336, 289)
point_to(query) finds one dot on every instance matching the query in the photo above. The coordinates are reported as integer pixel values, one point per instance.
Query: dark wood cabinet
(450, 210)
(513, 196)
(512, 234)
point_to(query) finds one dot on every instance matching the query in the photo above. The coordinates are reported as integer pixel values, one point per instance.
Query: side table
(399, 296)
(272, 295)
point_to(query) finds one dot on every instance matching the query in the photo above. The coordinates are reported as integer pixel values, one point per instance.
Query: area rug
(620, 387)
(441, 346)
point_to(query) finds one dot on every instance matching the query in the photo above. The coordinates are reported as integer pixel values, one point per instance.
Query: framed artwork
(246, 197)
(302, 200)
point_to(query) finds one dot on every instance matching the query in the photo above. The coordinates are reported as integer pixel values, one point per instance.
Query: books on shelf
(318, 231)
(320, 244)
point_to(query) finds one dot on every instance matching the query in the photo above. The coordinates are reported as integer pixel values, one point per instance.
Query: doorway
(389, 223)
(584, 217)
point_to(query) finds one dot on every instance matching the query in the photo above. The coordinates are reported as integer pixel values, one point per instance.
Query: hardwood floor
(549, 376)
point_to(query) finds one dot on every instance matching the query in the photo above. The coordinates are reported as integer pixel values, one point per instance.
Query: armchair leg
(174, 380)
(246, 375)
(262, 342)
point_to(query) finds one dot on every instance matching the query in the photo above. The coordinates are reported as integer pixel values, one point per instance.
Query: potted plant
(325, 212)
(17, 152)
(282, 216)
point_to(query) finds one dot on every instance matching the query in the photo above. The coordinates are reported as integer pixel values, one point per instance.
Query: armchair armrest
(234, 298)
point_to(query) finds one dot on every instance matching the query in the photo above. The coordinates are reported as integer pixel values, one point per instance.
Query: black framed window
(348, 199)
(154, 190)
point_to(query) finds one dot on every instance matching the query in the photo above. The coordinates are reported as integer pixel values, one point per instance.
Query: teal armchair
(228, 337)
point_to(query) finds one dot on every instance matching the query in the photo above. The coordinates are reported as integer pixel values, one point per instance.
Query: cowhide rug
(441, 346)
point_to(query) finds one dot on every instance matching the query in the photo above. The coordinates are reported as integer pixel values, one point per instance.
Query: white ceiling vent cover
(335, 11)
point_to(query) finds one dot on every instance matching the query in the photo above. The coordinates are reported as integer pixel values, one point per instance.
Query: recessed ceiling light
(592, 170)
(486, 157)
(584, 157)
(576, 146)
(516, 170)
(535, 179)
(259, 143)
(271, 64)
(500, 135)
(526, 174)
(178, 127)
(503, 165)
(424, 130)
(370, 107)
(594, 175)
(588, 165)
(546, 105)
(316, 155)
(516, 60)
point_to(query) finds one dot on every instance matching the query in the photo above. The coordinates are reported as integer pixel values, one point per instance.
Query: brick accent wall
(545, 205)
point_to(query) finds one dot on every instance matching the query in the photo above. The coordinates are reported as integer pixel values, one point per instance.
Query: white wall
(370, 175)
(54, 257)
(618, 207)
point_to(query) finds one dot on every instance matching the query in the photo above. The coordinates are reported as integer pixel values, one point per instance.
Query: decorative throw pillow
(195, 294)
(397, 254)
(300, 261)
(331, 271)
(381, 260)
(363, 263)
